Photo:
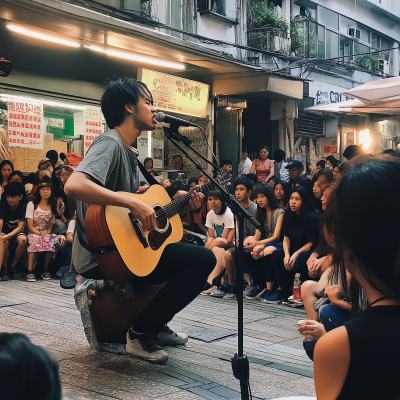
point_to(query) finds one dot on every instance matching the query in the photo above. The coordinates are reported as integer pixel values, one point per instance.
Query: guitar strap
(110, 247)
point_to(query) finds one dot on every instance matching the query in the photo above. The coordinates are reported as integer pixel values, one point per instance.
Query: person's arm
(277, 232)
(1, 224)
(331, 363)
(210, 238)
(334, 295)
(14, 232)
(271, 172)
(286, 250)
(221, 241)
(252, 241)
(31, 227)
(70, 237)
(253, 168)
(60, 212)
(294, 256)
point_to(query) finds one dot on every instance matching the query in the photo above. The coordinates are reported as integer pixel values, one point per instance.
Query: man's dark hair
(177, 155)
(14, 189)
(279, 155)
(393, 153)
(225, 162)
(321, 163)
(352, 151)
(119, 93)
(246, 182)
(328, 174)
(216, 193)
(27, 371)
(52, 155)
(253, 178)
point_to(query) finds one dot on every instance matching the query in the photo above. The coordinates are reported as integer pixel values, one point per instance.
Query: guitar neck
(179, 204)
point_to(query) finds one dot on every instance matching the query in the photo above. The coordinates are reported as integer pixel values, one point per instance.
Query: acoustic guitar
(136, 252)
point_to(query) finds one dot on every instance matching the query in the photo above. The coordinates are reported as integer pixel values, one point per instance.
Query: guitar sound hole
(162, 220)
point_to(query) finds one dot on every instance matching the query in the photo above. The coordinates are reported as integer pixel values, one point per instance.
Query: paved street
(200, 370)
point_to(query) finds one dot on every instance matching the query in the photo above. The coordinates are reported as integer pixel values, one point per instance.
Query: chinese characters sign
(92, 126)
(175, 94)
(25, 122)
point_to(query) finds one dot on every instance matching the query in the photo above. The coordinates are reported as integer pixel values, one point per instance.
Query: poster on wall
(158, 153)
(92, 125)
(329, 146)
(143, 146)
(176, 94)
(25, 123)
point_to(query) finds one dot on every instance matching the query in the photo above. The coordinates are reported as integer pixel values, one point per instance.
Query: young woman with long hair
(360, 359)
(300, 230)
(282, 193)
(264, 242)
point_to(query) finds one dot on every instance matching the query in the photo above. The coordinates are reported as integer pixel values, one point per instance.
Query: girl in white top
(220, 224)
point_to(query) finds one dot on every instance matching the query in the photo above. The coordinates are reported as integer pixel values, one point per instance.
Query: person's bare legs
(219, 255)
(47, 259)
(309, 297)
(230, 267)
(31, 260)
(21, 247)
(3, 256)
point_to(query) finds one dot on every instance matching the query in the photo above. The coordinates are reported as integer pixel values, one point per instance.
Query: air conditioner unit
(354, 32)
(383, 66)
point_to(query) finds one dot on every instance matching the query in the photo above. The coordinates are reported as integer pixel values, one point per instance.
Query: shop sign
(175, 94)
(56, 122)
(92, 126)
(324, 93)
(388, 128)
(25, 123)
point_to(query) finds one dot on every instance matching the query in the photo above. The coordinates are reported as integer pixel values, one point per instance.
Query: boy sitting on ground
(12, 222)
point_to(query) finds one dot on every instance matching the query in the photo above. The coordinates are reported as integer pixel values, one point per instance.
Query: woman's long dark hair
(374, 243)
(261, 213)
(218, 195)
(27, 371)
(307, 183)
(2, 164)
(291, 217)
(286, 188)
(46, 182)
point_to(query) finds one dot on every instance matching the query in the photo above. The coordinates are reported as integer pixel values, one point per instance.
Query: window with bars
(312, 126)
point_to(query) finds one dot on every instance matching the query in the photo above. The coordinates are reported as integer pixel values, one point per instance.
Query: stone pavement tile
(264, 326)
(204, 333)
(304, 386)
(296, 343)
(86, 394)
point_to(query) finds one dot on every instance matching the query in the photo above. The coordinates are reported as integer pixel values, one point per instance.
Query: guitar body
(107, 225)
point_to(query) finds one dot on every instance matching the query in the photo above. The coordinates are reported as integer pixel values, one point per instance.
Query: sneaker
(247, 290)
(68, 280)
(4, 274)
(277, 297)
(208, 289)
(167, 337)
(231, 294)
(254, 293)
(146, 349)
(266, 295)
(221, 291)
(30, 278)
(14, 274)
(46, 276)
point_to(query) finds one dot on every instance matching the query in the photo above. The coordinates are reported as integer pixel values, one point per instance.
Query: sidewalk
(199, 370)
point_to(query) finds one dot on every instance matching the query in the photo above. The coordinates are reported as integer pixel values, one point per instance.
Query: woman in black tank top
(361, 360)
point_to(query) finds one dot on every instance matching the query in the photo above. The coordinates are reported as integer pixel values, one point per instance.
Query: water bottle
(297, 288)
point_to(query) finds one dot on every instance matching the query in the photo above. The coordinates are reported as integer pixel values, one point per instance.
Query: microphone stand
(240, 362)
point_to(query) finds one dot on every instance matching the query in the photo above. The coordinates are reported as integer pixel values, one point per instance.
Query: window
(328, 18)
(346, 49)
(360, 49)
(332, 44)
(218, 6)
(321, 41)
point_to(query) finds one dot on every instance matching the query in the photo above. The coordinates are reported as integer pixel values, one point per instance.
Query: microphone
(169, 119)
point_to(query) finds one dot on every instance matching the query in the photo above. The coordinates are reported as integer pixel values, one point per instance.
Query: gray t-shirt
(112, 164)
(249, 228)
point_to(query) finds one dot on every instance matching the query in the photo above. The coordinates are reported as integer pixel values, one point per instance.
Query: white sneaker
(146, 349)
(30, 278)
(167, 337)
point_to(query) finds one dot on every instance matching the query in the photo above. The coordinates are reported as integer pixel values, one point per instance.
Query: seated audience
(243, 188)
(220, 224)
(282, 193)
(245, 164)
(254, 179)
(306, 183)
(264, 242)
(300, 230)
(320, 165)
(203, 179)
(165, 183)
(323, 179)
(18, 176)
(193, 182)
(153, 173)
(177, 163)
(12, 223)
(40, 218)
(226, 169)
(148, 163)
(295, 169)
(57, 171)
(331, 162)
(27, 371)
(279, 165)
(6, 167)
(273, 181)
(346, 363)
